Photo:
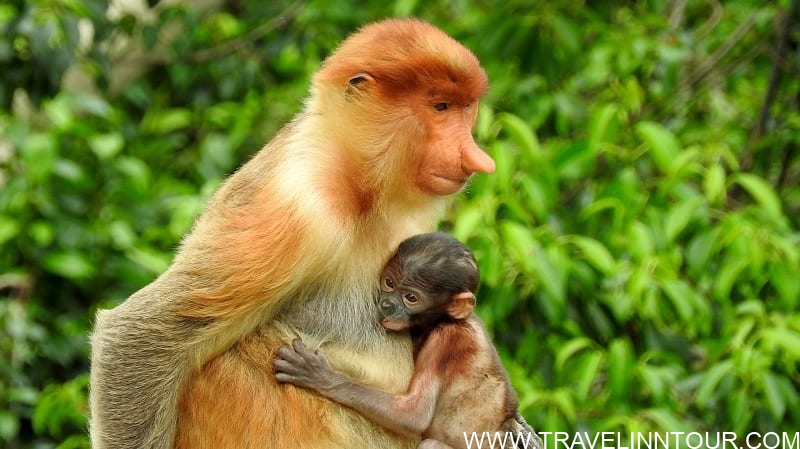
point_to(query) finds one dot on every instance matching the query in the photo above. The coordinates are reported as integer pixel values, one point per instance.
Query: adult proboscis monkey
(289, 247)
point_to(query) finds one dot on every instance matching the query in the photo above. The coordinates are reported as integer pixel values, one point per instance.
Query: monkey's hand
(301, 367)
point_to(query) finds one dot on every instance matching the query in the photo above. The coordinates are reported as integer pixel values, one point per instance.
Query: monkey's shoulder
(453, 348)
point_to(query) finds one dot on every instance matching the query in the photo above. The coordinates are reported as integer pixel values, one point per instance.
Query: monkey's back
(477, 396)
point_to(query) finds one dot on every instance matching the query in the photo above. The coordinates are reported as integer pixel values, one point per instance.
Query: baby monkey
(459, 385)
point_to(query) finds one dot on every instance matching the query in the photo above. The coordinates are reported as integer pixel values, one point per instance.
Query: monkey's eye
(411, 298)
(443, 106)
(359, 78)
(388, 284)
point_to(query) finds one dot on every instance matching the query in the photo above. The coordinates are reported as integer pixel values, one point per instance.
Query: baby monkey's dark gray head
(431, 277)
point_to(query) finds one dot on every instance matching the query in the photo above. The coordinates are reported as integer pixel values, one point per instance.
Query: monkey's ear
(461, 305)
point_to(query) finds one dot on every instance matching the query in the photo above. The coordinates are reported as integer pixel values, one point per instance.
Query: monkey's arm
(233, 272)
(409, 413)
(137, 370)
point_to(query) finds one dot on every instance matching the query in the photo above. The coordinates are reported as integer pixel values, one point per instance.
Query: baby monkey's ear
(461, 305)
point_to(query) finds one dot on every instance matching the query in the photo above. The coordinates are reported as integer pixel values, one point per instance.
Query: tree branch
(238, 44)
(774, 80)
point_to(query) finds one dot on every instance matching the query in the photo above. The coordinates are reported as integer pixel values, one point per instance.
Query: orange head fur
(407, 55)
(376, 95)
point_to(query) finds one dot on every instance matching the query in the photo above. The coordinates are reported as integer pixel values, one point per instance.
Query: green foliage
(638, 242)
(637, 273)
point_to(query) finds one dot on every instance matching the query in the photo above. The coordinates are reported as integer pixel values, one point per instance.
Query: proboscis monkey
(459, 386)
(291, 246)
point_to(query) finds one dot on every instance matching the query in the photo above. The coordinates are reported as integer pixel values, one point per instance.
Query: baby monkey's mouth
(394, 325)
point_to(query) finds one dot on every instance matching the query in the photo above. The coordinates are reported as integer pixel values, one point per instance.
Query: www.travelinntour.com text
(635, 440)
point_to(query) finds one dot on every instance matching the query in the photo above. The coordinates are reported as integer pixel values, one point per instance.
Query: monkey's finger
(285, 378)
(286, 367)
(298, 345)
(289, 355)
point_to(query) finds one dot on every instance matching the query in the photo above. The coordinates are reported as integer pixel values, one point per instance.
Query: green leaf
(568, 350)
(685, 163)
(595, 253)
(664, 146)
(622, 306)
(640, 281)
(59, 111)
(568, 35)
(562, 400)
(404, 8)
(763, 193)
(217, 157)
(785, 339)
(714, 184)
(678, 292)
(519, 242)
(539, 199)
(468, 219)
(744, 328)
(549, 270)
(150, 36)
(122, 234)
(42, 232)
(69, 170)
(599, 124)
(522, 134)
(484, 127)
(620, 371)
(788, 391)
(155, 261)
(774, 401)
(59, 407)
(70, 264)
(709, 382)
(740, 409)
(79, 441)
(641, 243)
(106, 146)
(134, 169)
(784, 278)
(651, 380)
(700, 249)
(752, 307)
(9, 425)
(164, 121)
(492, 264)
(39, 153)
(575, 161)
(726, 276)
(505, 166)
(678, 218)
(667, 420)
(9, 228)
(586, 373)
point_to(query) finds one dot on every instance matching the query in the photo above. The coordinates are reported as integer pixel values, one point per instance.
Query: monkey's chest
(345, 323)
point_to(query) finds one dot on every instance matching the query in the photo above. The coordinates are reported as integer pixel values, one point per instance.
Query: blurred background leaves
(638, 242)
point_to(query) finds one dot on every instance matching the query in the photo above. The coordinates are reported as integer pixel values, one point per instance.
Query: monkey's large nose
(387, 307)
(475, 160)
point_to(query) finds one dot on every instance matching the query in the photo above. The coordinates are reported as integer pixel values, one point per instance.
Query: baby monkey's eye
(388, 284)
(411, 298)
